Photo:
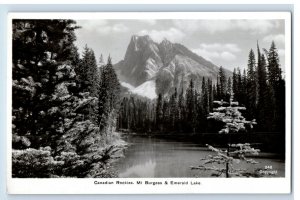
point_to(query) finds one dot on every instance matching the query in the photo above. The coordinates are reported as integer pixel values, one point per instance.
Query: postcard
(149, 103)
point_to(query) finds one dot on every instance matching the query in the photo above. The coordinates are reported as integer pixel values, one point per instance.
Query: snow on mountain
(146, 89)
(127, 85)
(158, 68)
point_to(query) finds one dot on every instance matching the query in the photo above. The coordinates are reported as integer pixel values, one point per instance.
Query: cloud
(218, 51)
(281, 52)
(256, 26)
(121, 28)
(218, 46)
(172, 34)
(208, 55)
(279, 39)
(186, 25)
(148, 21)
(102, 27)
(214, 26)
(91, 25)
(227, 56)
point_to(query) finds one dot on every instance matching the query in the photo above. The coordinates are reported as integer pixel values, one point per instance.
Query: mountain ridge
(170, 65)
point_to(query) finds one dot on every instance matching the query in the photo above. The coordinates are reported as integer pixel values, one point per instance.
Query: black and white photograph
(152, 98)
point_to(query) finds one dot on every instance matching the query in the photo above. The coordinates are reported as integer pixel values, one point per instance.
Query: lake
(149, 157)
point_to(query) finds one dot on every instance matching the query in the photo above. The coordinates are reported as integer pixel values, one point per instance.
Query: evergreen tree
(210, 94)
(190, 107)
(234, 122)
(222, 83)
(39, 68)
(174, 110)
(265, 105)
(277, 85)
(244, 89)
(251, 85)
(166, 115)
(274, 71)
(50, 136)
(239, 89)
(108, 96)
(88, 80)
(181, 110)
(218, 90)
(89, 70)
(205, 97)
(159, 112)
(101, 61)
(234, 83)
(229, 88)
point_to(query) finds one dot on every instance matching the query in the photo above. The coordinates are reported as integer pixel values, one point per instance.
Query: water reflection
(142, 170)
(151, 157)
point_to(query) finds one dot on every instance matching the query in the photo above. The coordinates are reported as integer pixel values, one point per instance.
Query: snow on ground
(146, 89)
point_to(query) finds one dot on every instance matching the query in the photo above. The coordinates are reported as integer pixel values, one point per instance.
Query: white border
(208, 185)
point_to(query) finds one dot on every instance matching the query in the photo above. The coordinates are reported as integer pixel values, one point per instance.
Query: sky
(223, 42)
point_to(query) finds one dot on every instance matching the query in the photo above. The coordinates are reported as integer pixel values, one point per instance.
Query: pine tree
(251, 85)
(88, 79)
(264, 101)
(239, 87)
(159, 112)
(210, 94)
(108, 96)
(244, 90)
(229, 88)
(181, 111)
(274, 71)
(234, 123)
(51, 138)
(190, 106)
(174, 110)
(101, 61)
(205, 97)
(166, 115)
(222, 82)
(39, 67)
(234, 83)
(277, 85)
(89, 73)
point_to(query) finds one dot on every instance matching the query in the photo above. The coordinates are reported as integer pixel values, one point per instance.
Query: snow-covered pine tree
(50, 136)
(230, 115)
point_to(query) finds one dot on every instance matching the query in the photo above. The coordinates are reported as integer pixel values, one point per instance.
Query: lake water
(148, 157)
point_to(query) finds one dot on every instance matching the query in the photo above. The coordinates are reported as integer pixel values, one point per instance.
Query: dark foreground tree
(108, 99)
(51, 137)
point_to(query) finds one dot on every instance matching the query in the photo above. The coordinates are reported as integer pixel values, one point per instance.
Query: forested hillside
(260, 88)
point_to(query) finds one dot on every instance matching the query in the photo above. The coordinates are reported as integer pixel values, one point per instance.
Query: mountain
(151, 68)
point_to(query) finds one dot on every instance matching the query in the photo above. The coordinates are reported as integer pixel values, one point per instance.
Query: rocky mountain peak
(165, 65)
(165, 42)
